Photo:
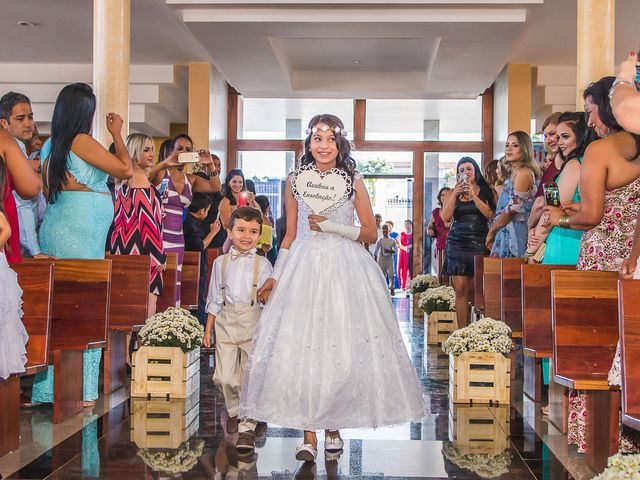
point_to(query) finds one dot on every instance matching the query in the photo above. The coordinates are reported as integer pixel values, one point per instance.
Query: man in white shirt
(233, 309)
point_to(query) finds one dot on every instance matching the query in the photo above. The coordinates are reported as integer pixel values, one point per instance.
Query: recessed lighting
(24, 23)
(356, 61)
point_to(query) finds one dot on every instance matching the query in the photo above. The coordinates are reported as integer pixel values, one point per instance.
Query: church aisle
(111, 447)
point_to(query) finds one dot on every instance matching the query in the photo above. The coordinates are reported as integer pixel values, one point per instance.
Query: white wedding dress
(13, 335)
(328, 351)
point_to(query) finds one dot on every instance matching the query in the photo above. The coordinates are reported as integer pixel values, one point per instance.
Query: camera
(551, 194)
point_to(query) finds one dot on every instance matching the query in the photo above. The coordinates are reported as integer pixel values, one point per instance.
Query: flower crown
(325, 128)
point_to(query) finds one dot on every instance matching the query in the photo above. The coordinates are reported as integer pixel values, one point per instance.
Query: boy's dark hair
(263, 201)
(199, 201)
(247, 214)
(10, 100)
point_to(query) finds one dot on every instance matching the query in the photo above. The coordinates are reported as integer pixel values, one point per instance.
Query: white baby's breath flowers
(486, 335)
(175, 327)
(485, 465)
(179, 460)
(438, 299)
(621, 466)
(421, 283)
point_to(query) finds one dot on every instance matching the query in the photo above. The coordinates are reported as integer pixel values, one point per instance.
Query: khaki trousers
(235, 327)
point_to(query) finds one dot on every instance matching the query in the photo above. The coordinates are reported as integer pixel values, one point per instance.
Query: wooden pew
(478, 284)
(168, 297)
(129, 304)
(212, 254)
(79, 321)
(511, 293)
(629, 319)
(36, 282)
(537, 341)
(585, 334)
(190, 280)
(492, 287)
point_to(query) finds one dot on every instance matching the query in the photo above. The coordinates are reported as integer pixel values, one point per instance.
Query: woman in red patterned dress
(137, 223)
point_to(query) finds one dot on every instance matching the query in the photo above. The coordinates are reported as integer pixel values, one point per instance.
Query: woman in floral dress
(609, 205)
(507, 236)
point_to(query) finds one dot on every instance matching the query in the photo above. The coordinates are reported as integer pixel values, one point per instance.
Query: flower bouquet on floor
(168, 363)
(485, 465)
(417, 286)
(172, 461)
(621, 466)
(479, 371)
(439, 305)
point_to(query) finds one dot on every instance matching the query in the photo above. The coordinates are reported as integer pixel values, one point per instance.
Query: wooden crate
(162, 423)
(165, 371)
(439, 326)
(417, 313)
(480, 377)
(479, 429)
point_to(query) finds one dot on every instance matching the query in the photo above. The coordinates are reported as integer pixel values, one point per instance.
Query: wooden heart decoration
(321, 192)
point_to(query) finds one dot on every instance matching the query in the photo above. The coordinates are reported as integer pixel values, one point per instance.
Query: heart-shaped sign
(321, 192)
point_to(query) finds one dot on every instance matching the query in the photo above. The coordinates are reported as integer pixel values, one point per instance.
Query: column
(111, 47)
(431, 132)
(293, 127)
(199, 94)
(512, 104)
(596, 36)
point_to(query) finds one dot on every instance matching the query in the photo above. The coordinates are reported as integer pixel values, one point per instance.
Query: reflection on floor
(185, 439)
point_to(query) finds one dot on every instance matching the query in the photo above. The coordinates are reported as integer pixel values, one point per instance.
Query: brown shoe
(232, 425)
(246, 442)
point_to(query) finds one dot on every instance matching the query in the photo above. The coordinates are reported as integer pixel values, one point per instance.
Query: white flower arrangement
(170, 460)
(486, 335)
(175, 327)
(438, 299)
(485, 465)
(621, 466)
(421, 283)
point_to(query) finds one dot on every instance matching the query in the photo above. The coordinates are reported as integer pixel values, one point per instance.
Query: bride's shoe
(333, 444)
(306, 453)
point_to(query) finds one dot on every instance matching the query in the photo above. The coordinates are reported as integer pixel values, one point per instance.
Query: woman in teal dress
(563, 244)
(79, 207)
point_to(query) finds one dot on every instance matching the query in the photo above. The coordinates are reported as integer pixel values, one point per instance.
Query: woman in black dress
(471, 204)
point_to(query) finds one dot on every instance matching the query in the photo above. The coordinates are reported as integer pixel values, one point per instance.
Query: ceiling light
(356, 61)
(24, 23)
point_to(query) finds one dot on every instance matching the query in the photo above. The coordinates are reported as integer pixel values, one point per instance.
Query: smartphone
(242, 199)
(189, 157)
(462, 177)
(163, 186)
(551, 194)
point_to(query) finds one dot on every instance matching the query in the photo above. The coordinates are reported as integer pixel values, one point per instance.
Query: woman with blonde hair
(137, 222)
(507, 236)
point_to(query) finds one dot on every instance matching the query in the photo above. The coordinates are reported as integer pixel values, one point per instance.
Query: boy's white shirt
(238, 280)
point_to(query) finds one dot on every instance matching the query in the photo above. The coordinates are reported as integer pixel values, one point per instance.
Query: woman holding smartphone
(470, 205)
(235, 195)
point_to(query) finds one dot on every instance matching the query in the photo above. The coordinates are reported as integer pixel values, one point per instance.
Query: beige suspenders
(254, 286)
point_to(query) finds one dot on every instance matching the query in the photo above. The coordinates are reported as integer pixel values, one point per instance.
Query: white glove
(279, 266)
(347, 231)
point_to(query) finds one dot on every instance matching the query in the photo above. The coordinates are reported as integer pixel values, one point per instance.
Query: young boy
(233, 310)
(197, 240)
(385, 248)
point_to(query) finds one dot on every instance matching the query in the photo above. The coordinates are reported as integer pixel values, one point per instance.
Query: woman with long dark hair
(80, 210)
(607, 212)
(471, 204)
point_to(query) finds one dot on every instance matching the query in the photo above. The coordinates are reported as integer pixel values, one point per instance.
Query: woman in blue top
(79, 209)
(562, 244)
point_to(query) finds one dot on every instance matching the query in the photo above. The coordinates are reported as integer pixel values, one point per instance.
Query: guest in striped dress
(177, 195)
(137, 223)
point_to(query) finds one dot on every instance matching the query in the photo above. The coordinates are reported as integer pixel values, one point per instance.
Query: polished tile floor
(159, 439)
